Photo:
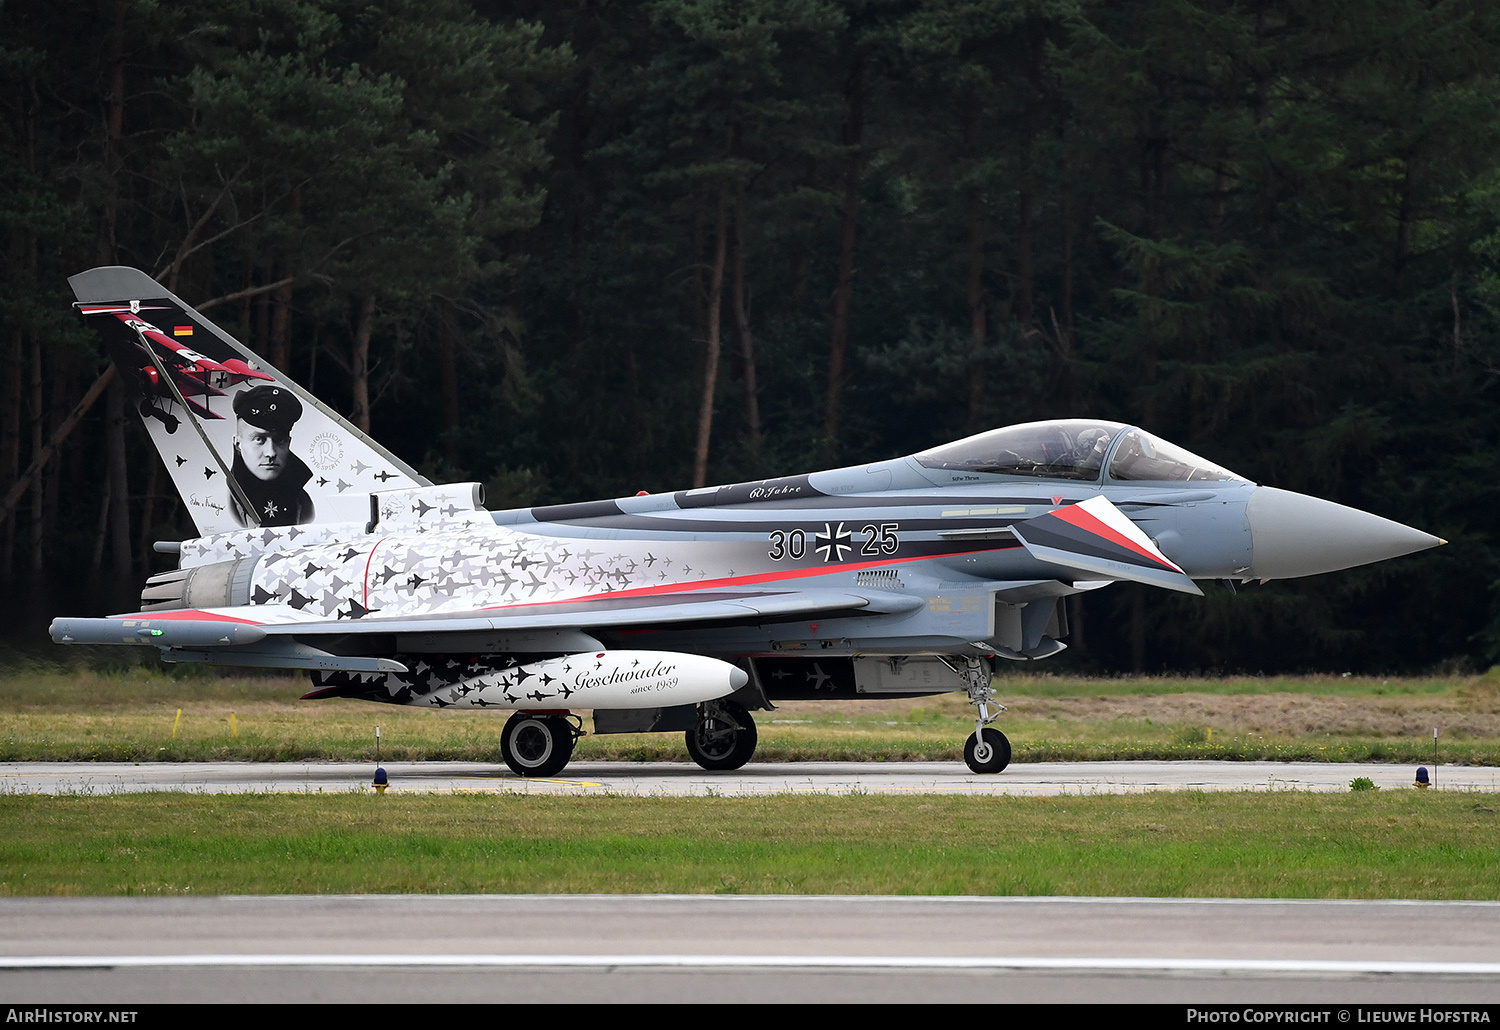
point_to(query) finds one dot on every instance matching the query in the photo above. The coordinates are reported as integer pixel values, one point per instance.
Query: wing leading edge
(229, 635)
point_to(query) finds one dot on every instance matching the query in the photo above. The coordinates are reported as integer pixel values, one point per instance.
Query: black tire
(724, 737)
(536, 745)
(992, 757)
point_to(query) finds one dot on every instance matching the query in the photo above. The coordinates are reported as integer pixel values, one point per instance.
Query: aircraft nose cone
(1294, 535)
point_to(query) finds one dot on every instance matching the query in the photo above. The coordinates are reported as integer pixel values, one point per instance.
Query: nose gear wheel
(987, 753)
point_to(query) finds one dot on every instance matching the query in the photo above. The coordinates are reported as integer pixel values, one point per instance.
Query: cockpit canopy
(1064, 449)
(1073, 449)
(1143, 456)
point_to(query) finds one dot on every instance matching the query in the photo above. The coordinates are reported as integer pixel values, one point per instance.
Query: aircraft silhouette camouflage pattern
(676, 611)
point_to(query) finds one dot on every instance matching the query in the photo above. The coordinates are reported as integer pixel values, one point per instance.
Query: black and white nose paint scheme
(321, 550)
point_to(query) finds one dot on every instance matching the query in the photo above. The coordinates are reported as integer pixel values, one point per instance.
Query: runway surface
(741, 948)
(717, 949)
(683, 779)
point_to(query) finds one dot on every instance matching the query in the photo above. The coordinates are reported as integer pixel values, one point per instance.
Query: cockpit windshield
(1142, 456)
(1062, 449)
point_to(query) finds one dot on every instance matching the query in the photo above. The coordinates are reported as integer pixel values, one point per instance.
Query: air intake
(884, 579)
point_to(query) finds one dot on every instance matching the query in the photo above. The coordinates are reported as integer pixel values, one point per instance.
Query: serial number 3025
(879, 540)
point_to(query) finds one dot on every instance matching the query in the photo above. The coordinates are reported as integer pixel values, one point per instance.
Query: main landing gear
(538, 745)
(987, 750)
(724, 738)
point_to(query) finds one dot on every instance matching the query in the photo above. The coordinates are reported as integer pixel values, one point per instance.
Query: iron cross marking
(832, 543)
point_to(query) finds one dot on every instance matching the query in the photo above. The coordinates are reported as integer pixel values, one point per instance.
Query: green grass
(35, 684)
(1052, 686)
(1373, 844)
(130, 716)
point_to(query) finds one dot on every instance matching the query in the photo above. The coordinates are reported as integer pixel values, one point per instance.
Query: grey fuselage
(934, 540)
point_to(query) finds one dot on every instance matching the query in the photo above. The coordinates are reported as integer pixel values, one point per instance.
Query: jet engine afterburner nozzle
(1295, 535)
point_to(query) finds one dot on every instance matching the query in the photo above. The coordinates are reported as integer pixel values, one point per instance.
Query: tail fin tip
(264, 451)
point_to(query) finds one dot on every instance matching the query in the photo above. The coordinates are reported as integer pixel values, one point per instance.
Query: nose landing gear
(987, 750)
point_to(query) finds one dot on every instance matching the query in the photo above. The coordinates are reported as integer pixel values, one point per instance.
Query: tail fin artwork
(244, 444)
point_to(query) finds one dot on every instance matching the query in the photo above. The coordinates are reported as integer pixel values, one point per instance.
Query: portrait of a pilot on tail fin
(271, 476)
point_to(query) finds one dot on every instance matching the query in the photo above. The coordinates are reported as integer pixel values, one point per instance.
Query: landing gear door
(905, 676)
(805, 679)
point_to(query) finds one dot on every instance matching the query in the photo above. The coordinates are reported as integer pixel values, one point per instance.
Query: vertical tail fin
(243, 443)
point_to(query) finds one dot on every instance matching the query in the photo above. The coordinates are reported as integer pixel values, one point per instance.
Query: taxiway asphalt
(683, 779)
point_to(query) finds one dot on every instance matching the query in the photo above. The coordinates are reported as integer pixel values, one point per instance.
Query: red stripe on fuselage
(194, 614)
(712, 584)
(368, 560)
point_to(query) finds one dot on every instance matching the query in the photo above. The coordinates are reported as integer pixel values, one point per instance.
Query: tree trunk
(711, 364)
(853, 136)
(359, 366)
(699, 290)
(23, 255)
(743, 340)
(1221, 196)
(1077, 638)
(281, 326)
(39, 461)
(63, 387)
(101, 536)
(10, 441)
(1403, 222)
(119, 490)
(281, 299)
(262, 339)
(1064, 330)
(796, 271)
(247, 280)
(1138, 629)
(38, 493)
(1026, 225)
(448, 377)
(1025, 271)
(978, 327)
(1458, 333)
(115, 126)
(148, 511)
(1153, 186)
(974, 258)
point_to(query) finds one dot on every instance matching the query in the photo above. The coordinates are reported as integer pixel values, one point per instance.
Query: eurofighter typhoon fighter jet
(686, 611)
